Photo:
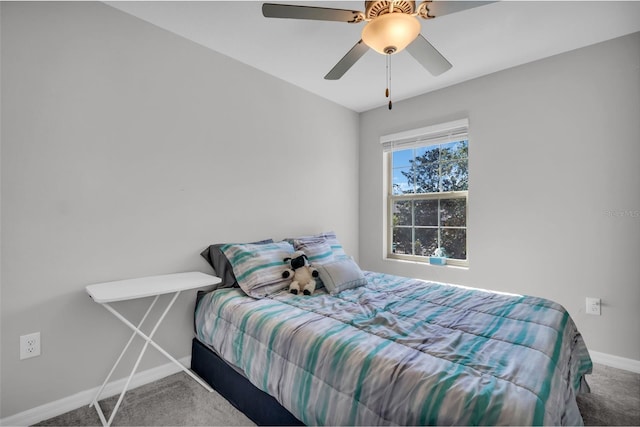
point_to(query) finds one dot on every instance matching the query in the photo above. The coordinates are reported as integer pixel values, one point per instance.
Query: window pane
(454, 150)
(453, 212)
(402, 241)
(402, 181)
(426, 212)
(454, 175)
(454, 242)
(402, 213)
(424, 169)
(426, 241)
(402, 158)
(428, 154)
(427, 178)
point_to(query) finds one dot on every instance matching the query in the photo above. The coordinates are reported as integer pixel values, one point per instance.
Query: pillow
(341, 275)
(317, 251)
(330, 237)
(221, 265)
(258, 268)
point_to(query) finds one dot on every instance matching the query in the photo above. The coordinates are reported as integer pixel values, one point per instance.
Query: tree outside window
(428, 200)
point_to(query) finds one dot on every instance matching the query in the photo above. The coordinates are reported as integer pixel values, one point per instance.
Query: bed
(390, 350)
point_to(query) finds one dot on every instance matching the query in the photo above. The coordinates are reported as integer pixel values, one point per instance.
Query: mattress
(403, 351)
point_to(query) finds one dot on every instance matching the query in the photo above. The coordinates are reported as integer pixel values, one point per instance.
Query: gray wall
(554, 178)
(125, 151)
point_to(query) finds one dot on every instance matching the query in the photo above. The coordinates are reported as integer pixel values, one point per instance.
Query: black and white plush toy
(302, 273)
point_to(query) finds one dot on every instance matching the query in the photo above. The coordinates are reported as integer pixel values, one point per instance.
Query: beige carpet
(614, 399)
(176, 400)
(179, 401)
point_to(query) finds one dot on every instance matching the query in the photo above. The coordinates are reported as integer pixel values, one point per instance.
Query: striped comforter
(404, 351)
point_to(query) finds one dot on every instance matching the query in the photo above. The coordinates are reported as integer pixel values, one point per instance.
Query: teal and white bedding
(405, 352)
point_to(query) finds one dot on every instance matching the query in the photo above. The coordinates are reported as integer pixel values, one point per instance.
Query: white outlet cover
(593, 306)
(29, 345)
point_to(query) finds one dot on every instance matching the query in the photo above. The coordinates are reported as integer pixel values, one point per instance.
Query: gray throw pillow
(341, 275)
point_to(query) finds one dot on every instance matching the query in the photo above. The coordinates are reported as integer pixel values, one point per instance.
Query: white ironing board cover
(121, 290)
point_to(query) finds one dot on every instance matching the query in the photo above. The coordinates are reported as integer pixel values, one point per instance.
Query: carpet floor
(177, 400)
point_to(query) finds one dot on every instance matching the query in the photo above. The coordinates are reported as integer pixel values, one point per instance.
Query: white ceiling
(476, 41)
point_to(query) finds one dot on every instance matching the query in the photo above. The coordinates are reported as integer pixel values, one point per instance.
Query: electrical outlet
(30, 345)
(593, 306)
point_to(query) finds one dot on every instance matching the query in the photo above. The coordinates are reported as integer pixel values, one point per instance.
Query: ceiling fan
(392, 26)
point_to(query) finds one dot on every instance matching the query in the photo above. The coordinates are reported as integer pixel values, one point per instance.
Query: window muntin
(427, 200)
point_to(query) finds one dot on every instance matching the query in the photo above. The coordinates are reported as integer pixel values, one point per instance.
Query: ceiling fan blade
(272, 10)
(428, 56)
(347, 61)
(439, 8)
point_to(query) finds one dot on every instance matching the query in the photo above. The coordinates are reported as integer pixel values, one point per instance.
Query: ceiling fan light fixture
(391, 33)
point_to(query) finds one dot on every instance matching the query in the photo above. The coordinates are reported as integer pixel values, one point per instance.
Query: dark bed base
(260, 407)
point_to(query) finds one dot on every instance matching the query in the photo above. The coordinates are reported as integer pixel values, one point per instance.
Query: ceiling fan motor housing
(373, 9)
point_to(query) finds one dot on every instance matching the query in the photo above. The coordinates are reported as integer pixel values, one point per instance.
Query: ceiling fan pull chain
(388, 91)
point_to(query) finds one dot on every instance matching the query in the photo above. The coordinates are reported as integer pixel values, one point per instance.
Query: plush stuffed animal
(303, 275)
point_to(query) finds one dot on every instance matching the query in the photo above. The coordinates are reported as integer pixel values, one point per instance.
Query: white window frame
(426, 136)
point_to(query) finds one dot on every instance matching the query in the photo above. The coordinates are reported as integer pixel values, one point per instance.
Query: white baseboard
(615, 361)
(69, 403)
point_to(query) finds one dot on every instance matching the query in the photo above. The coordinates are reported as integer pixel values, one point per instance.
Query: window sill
(460, 266)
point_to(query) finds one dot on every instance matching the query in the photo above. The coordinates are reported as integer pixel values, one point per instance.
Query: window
(427, 182)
